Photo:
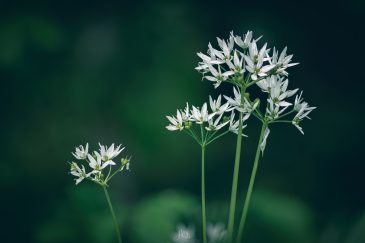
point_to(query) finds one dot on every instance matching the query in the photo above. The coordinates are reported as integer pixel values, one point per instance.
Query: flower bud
(187, 124)
(124, 161)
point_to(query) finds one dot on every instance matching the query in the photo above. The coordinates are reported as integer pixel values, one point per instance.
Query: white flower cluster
(239, 61)
(238, 55)
(212, 120)
(97, 161)
(216, 234)
(215, 119)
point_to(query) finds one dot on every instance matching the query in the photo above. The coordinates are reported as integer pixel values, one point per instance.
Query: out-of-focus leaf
(156, 218)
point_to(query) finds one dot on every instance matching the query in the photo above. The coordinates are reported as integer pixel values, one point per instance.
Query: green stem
(250, 186)
(204, 219)
(220, 135)
(113, 214)
(232, 207)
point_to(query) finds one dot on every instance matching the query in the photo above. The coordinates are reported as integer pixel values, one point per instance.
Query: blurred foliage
(74, 72)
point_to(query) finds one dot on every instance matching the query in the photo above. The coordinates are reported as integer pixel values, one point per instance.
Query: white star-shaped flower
(81, 152)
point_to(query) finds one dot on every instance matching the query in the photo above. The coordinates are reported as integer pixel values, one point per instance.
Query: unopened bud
(124, 161)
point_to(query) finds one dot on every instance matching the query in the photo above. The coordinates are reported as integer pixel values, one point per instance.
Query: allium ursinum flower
(80, 173)
(226, 47)
(237, 54)
(278, 91)
(184, 234)
(217, 124)
(97, 163)
(217, 76)
(274, 111)
(176, 122)
(303, 111)
(281, 62)
(237, 66)
(277, 103)
(212, 120)
(255, 61)
(81, 152)
(236, 103)
(216, 105)
(243, 63)
(234, 124)
(245, 41)
(109, 153)
(202, 115)
(216, 233)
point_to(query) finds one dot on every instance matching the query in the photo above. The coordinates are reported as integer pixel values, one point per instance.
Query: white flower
(216, 105)
(215, 125)
(281, 62)
(237, 104)
(278, 91)
(184, 235)
(274, 111)
(202, 115)
(267, 83)
(263, 143)
(236, 101)
(234, 124)
(245, 41)
(218, 77)
(97, 163)
(237, 65)
(186, 113)
(255, 61)
(81, 152)
(109, 153)
(79, 172)
(226, 47)
(209, 60)
(216, 233)
(176, 122)
(303, 111)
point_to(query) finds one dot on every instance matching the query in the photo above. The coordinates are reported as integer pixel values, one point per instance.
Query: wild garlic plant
(240, 62)
(100, 171)
(206, 126)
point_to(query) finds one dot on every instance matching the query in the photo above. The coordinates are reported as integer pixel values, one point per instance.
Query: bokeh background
(90, 71)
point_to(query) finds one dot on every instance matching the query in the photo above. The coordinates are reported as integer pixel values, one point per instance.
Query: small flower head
(176, 122)
(216, 106)
(81, 152)
(255, 61)
(303, 109)
(282, 62)
(97, 162)
(80, 173)
(109, 153)
(184, 234)
(216, 233)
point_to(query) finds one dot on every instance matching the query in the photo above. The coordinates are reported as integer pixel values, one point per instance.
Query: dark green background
(76, 72)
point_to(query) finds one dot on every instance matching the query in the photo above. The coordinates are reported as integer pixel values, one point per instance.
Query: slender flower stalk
(100, 162)
(232, 207)
(250, 186)
(204, 127)
(204, 217)
(116, 225)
